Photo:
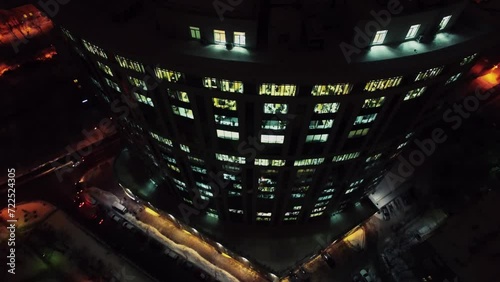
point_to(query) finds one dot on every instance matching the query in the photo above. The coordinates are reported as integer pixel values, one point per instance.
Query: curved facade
(272, 114)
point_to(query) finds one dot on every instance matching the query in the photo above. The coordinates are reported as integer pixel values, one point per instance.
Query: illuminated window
(199, 169)
(297, 208)
(112, 84)
(364, 119)
(94, 49)
(414, 93)
(412, 32)
(260, 218)
(373, 158)
(275, 108)
(266, 189)
(228, 158)
(373, 102)
(174, 168)
(348, 191)
(303, 172)
(277, 89)
(265, 196)
(290, 218)
(168, 75)
(236, 211)
(219, 36)
(316, 138)
(272, 139)
(225, 104)
(233, 193)
(298, 195)
(292, 213)
(264, 213)
(239, 38)
(318, 209)
(402, 145)
(106, 69)
(453, 78)
(430, 73)
(468, 59)
(444, 22)
(345, 157)
(226, 120)
(358, 132)
(331, 89)
(185, 148)
(183, 112)
(144, 99)
(224, 134)
(161, 139)
(129, 64)
(382, 84)
(356, 183)
(223, 85)
(323, 198)
(305, 162)
(269, 162)
(196, 160)
(274, 124)
(210, 214)
(321, 124)
(195, 32)
(321, 204)
(203, 186)
(379, 37)
(68, 34)
(178, 95)
(328, 191)
(325, 108)
(138, 83)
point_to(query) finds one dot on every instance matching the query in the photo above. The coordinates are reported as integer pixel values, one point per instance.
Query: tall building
(274, 112)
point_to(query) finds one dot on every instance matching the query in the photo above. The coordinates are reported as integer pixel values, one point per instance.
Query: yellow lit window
(225, 104)
(358, 132)
(178, 95)
(326, 108)
(239, 38)
(223, 85)
(373, 102)
(277, 89)
(168, 75)
(430, 73)
(129, 64)
(332, 89)
(219, 36)
(106, 69)
(183, 112)
(414, 93)
(138, 83)
(381, 84)
(94, 49)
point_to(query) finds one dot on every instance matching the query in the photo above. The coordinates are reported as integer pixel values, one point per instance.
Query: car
(128, 225)
(328, 259)
(385, 213)
(114, 216)
(171, 254)
(356, 278)
(365, 275)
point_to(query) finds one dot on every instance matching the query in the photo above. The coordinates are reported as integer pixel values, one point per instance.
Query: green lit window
(297, 208)
(364, 119)
(219, 36)
(274, 124)
(382, 84)
(161, 139)
(144, 99)
(323, 198)
(321, 124)
(105, 68)
(185, 148)
(138, 83)
(316, 138)
(228, 158)
(67, 34)
(298, 195)
(199, 169)
(168, 75)
(430, 73)
(94, 49)
(183, 112)
(373, 102)
(129, 64)
(195, 32)
(236, 211)
(358, 132)
(196, 160)
(453, 78)
(226, 120)
(468, 59)
(225, 104)
(178, 95)
(265, 196)
(373, 158)
(379, 37)
(277, 89)
(270, 108)
(414, 93)
(331, 89)
(345, 157)
(225, 134)
(444, 22)
(321, 204)
(412, 32)
(112, 84)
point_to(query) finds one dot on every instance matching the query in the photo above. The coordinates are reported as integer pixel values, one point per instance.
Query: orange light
(151, 212)
(185, 231)
(226, 255)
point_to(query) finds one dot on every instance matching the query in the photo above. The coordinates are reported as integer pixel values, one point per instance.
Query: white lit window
(137, 83)
(265, 196)
(331, 89)
(261, 218)
(225, 134)
(356, 183)
(236, 211)
(144, 99)
(129, 64)
(379, 37)
(444, 22)
(412, 32)
(328, 191)
(292, 213)
(185, 148)
(223, 85)
(203, 186)
(453, 78)
(196, 160)
(316, 138)
(373, 102)
(382, 84)
(94, 49)
(183, 112)
(105, 68)
(364, 119)
(290, 218)
(161, 139)
(316, 214)
(327, 197)
(219, 36)
(345, 157)
(325, 108)
(373, 158)
(321, 204)
(270, 108)
(348, 191)
(178, 95)
(234, 193)
(239, 38)
(210, 214)
(297, 208)
(414, 93)
(274, 124)
(269, 162)
(168, 75)
(195, 32)
(318, 209)
(225, 104)
(402, 145)
(273, 139)
(305, 162)
(264, 213)
(228, 158)
(277, 89)
(358, 132)
(199, 169)
(430, 73)
(226, 120)
(112, 84)
(298, 195)
(321, 124)
(468, 59)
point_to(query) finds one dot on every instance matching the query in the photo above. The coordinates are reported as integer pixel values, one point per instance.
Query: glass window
(325, 108)
(239, 38)
(225, 104)
(219, 36)
(345, 157)
(316, 138)
(199, 169)
(228, 158)
(129, 64)
(379, 37)
(298, 195)
(412, 32)
(373, 158)
(321, 204)
(321, 124)
(414, 93)
(144, 99)
(112, 84)
(382, 84)
(274, 124)
(290, 218)
(356, 183)
(236, 211)
(350, 190)
(297, 208)
(260, 218)
(358, 132)
(430, 73)
(168, 75)
(226, 120)
(444, 22)
(453, 78)
(183, 112)
(68, 34)
(161, 139)
(364, 119)
(270, 108)
(195, 32)
(269, 162)
(373, 102)
(196, 160)
(331, 89)
(185, 148)
(178, 95)
(468, 59)
(265, 196)
(137, 83)
(305, 162)
(105, 68)
(326, 197)
(225, 134)
(223, 85)
(272, 139)
(277, 89)
(94, 49)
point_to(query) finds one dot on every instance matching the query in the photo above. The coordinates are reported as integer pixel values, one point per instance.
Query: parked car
(365, 275)
(329, 260)
(385, 213)
(171, 254)
(128, 225)
(114, 216)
